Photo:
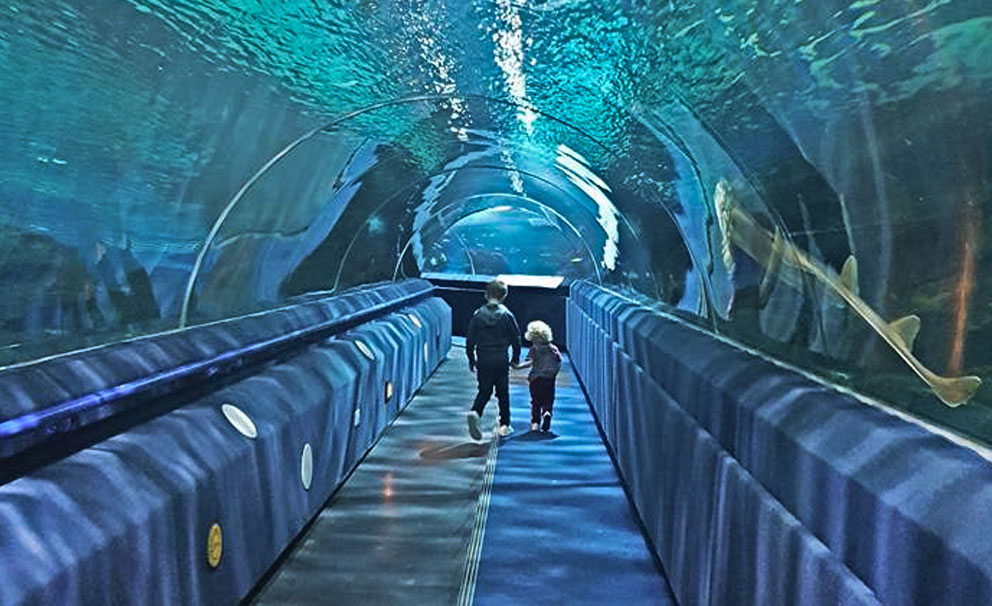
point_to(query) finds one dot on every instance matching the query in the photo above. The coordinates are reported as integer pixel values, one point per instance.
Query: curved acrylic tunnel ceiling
(811, 179)
(460, 239)
(348, 182)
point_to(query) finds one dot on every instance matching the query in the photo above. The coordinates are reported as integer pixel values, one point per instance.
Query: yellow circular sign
(215, 546)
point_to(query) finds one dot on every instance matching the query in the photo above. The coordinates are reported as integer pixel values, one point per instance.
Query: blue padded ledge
(126, 521)
(905, 511)
(62, 394)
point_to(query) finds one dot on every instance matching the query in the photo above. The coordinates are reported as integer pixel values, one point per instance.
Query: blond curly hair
(538, 332)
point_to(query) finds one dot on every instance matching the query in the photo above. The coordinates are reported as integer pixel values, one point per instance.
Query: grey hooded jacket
(491, 330)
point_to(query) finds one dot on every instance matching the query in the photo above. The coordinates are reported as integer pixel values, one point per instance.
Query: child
(492, 329)
(544, 360)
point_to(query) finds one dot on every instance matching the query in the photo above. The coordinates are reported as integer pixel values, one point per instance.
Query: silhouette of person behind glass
(142, 298)
(133, 299)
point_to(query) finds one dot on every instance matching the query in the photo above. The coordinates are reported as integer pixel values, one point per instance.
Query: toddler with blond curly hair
(544, 361)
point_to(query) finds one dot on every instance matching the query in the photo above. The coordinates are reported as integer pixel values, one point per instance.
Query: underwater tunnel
(243, 241)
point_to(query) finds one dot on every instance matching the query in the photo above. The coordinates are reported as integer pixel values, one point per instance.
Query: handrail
(31, 430)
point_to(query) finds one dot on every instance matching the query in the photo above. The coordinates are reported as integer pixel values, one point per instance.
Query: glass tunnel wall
(809, 178)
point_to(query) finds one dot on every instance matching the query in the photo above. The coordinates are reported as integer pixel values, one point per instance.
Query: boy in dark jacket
(491, 330)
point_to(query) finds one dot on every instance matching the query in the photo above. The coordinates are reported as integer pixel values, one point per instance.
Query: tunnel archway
(529, 212)
(236, 240)
(577, 183)
(819, 125)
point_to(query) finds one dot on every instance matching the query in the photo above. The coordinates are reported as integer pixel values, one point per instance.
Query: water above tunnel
(810, 180)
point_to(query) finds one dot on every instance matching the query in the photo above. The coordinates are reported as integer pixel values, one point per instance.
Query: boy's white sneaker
(473, 425)
(533, 426)
(505, 430)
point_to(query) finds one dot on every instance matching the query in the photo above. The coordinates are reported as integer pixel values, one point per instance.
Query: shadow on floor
(532, 436)
(466, 450)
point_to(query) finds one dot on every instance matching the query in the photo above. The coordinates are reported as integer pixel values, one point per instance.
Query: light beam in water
(962, 290)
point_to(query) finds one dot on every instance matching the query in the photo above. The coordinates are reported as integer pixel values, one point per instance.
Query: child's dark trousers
(542, 397)
(494, 376)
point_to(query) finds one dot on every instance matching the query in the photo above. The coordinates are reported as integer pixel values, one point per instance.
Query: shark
(772, 250)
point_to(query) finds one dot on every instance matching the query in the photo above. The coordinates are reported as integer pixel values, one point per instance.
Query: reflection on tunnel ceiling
(184, 161)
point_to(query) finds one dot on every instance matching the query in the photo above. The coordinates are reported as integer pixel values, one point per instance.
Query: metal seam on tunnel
(471, 261)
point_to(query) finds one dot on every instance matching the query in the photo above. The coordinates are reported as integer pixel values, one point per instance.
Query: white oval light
(239, 420)
(306, 466)
(362, 347)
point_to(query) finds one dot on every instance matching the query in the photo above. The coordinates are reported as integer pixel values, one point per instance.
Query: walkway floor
(401, 530)
(561, 530)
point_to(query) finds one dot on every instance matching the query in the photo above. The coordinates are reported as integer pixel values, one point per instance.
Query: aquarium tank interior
(810, 180)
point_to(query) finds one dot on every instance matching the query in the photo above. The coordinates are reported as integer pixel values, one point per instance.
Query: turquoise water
(170, 161)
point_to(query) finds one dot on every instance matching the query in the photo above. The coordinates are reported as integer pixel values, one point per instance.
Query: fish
(772, 250)
(829, 334)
